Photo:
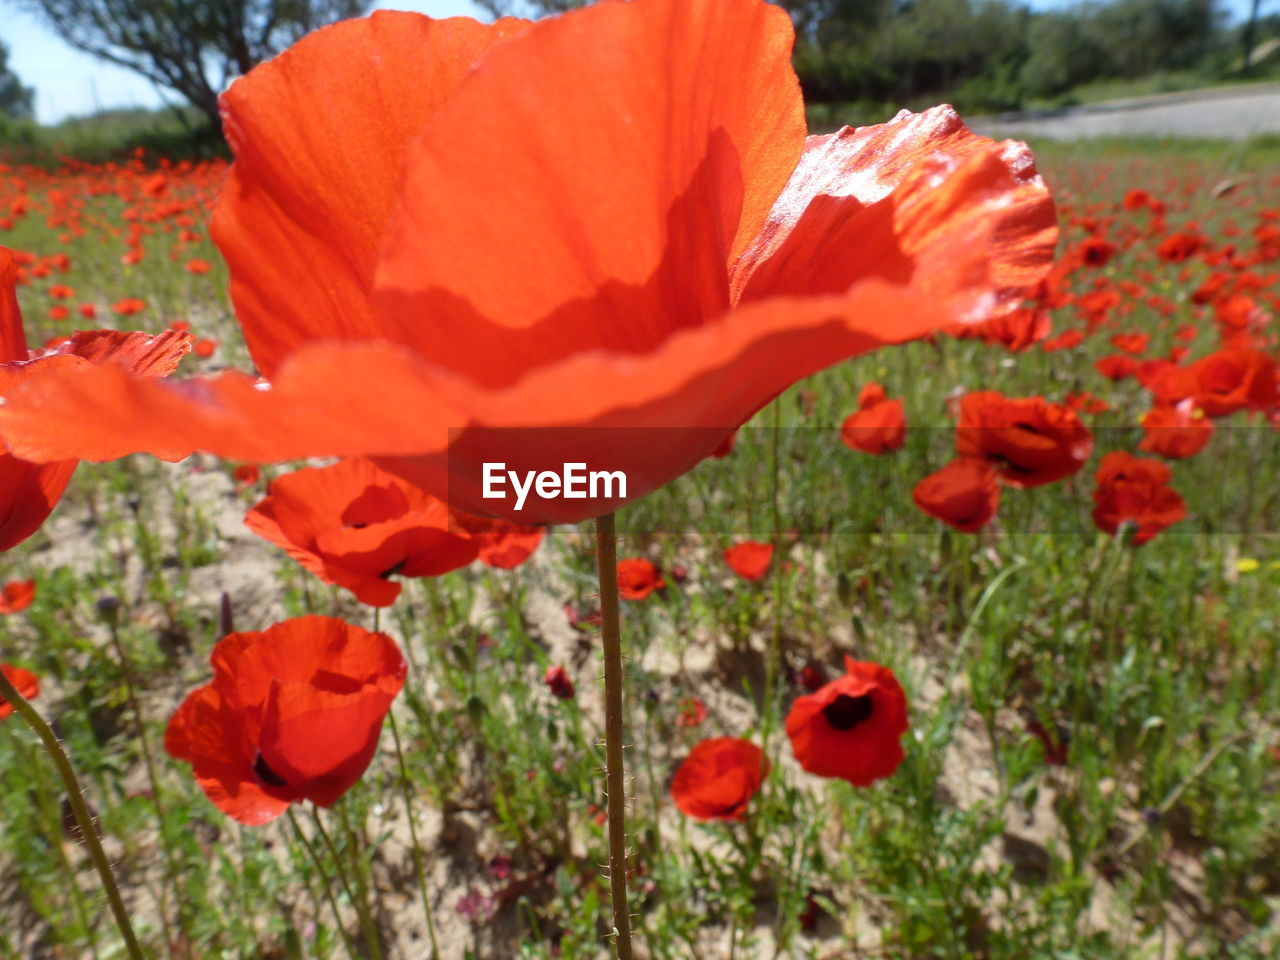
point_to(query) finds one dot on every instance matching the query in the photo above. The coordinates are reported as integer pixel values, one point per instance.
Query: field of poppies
(966, 647)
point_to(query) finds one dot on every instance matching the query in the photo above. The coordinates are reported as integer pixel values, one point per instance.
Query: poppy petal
(28, 494)
(917, 200)
(301, 218)
(209, 737)
(330, 399)
(13, 339)
(608, 165)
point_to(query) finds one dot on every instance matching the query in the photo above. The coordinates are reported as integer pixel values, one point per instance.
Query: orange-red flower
(29, 491)
(1175, 432)
(357, 526)
(1230, 380)
(17, 595)
(749, 559)
(609, 219)
(1029, 440)
(293, 713)
(718, 779)
(558, 682)
(877, 426)
(637, 578)
(852, 727)
(1134, 490)
(24, 681)
(964, 494)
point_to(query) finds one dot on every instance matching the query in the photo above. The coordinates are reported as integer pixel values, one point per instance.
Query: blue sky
(68, 82)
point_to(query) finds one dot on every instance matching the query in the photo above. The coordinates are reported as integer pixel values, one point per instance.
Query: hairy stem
(607, 565)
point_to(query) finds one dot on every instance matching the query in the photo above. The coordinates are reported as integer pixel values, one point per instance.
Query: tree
(15, 99)
(192, 47)
(529, 8)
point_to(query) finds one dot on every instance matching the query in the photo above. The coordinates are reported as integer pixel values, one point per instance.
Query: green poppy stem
(615, 784)
(84, 820)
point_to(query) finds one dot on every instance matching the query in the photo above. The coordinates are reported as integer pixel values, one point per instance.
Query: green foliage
(15, 99)
(191, 47)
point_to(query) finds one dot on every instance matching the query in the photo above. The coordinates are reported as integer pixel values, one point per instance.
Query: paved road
(1230, 113)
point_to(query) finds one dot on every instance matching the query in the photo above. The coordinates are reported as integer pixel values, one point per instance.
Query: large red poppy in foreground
(606, 220)
(30, 491)
(292, 713)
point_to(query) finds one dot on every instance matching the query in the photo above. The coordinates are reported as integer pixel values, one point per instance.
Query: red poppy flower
(293, 713)
(357, 526)
(852, 727)
(26, 683)
(1095, 252)
(1015, 331)
(1134, 343)
(500, 543)
(1175, 432)
(1066, 340)
(1178, 247)
(614, 220)
(692, 712)
(204, 349)
(558, 682)
(1231, 380)
(1030, 441)
(877, 426)
(749, 559)
(246, 475)
(718, 779)
(198, 266)
(17, 595)
(1116, 366)
(29, 491)
(964, 494)
(1136, 491)
(637, 578)
(129, 306)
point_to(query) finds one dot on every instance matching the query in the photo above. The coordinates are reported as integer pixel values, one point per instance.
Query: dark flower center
(266, 774)
(846, 712)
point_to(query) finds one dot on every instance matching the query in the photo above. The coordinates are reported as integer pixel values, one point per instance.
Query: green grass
(1159, 836)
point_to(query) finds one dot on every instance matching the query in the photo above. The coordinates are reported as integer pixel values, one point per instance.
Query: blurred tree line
(990, 55)
(861, 58)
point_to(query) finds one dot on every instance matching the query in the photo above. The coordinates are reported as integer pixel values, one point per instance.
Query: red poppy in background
(17, 595)
(1116, 366)
(1234, 379)
(357, 526)
(500, 543)
(637, 578)
(964, 494)
(615, 220)
(293, 713)
(718, 779)
(1029, 440)
(24, 681)
(29, 491)
(852, 727)
(877, 426)
(558, 682)
(1175, 432)
(1135, 490)
(749, 559)
(1015, 331)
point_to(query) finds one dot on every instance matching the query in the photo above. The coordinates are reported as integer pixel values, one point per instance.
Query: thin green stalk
(88, 828)
(418, 866)
(54, 826)
(324, 881)
(130, 687)
(366, 922)
(356, 843)
(615, 782)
